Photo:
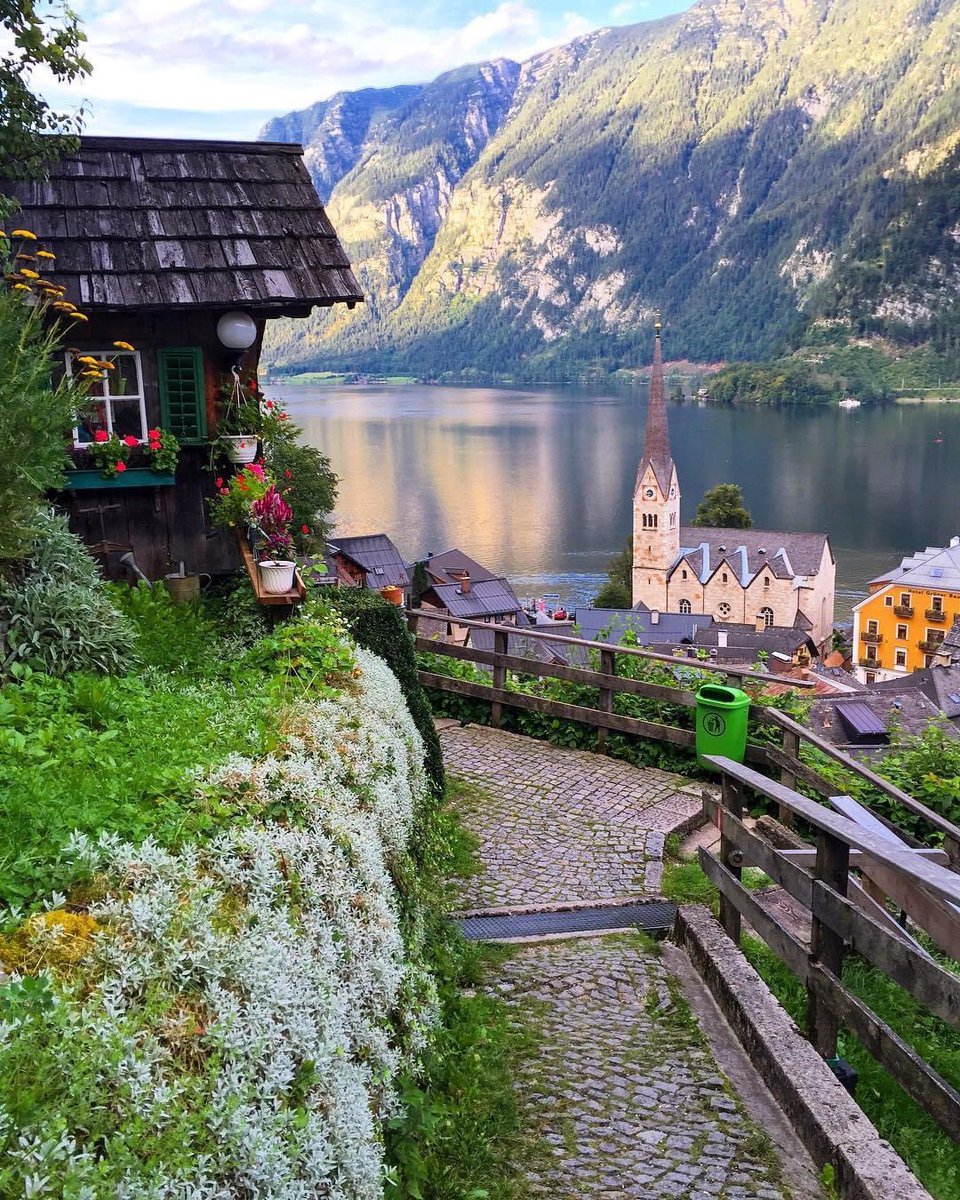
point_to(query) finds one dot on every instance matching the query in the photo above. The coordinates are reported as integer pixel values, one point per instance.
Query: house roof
(940, 685)
(156, 223)
(610, 625)
(909, 710)
(486, 598)
(937, 568)
(523, 647)
(778, 639)
(747, 551)
(377, 555)
(448, 566)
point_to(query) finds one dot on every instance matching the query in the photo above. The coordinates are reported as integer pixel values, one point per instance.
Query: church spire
(656, 440)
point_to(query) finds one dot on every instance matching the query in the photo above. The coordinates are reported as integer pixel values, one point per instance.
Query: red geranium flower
(154, 446)
(131, 441)
(153, 435)
(288, 473)
(120, 466)
(304, 528)
(219, 481)
(101, 435)
(269, 404)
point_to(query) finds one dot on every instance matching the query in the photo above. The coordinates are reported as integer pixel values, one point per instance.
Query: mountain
(757, 169)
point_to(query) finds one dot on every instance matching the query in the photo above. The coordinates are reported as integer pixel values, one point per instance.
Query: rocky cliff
(732, 165)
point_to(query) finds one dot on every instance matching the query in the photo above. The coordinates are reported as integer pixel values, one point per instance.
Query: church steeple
(656, 498)
(656, 439)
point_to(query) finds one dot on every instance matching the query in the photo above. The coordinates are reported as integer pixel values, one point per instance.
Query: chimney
(654, 616)
(464, 583)
(760, 624)
(722, 638)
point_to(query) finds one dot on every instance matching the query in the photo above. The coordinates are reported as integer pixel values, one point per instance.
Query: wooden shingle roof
(154, 223)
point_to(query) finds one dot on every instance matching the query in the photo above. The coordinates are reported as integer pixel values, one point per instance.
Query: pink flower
(130, 441)
(154, 446)
(256, 469)
(153, 435)
(219, 481)
(288, 473)
(120, 466)
(101, 435)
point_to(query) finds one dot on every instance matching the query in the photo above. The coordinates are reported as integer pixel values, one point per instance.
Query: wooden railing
(783, 760)
(846, 916)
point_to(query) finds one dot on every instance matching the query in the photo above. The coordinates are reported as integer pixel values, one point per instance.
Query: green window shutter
(183, 404)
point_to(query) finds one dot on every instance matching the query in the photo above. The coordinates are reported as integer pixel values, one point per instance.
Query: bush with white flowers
(228, 1019)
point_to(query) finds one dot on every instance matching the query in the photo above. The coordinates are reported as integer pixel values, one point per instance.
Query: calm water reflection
(538, 483)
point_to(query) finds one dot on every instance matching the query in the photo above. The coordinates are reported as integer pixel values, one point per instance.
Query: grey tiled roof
(670, 630)
(517, 643)
(747, 551)
(936, 567)
(486, 597)
(445, 567)
(776, 640)
(159, 223)
(377, 555)
(910, 710)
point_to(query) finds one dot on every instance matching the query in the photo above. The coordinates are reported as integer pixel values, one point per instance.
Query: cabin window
(649, 521)
(899, 658)
(685, 606)
(902, 633)
(767, 615)
(724, 610)
(114, 404)
(183, 405)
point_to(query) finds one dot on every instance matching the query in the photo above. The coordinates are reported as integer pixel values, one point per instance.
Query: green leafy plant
(230, 508)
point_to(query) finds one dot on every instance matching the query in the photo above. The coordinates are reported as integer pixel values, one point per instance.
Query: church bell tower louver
(656, 497)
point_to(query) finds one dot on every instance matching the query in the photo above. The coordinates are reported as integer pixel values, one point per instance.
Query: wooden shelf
(294, 596)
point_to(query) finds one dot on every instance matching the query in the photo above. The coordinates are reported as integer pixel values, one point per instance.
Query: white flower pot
(240, 447)
(276, 577)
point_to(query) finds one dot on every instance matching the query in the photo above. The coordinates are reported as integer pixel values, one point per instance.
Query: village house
(370, 561)
(900, 626)
(740, 576)
(182, 250)
(458, 587)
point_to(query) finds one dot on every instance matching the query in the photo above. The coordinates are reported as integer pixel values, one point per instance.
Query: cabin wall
(160, 525)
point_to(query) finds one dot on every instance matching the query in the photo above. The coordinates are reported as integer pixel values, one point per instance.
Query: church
(757, 577)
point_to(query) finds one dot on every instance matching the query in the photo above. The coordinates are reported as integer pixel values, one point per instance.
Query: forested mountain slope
(748, 167)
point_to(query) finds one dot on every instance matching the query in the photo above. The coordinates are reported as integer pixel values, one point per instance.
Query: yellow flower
(45, 254)
(87, 360)
(25, 233)
(28, 274)
(123, 346)
(26, 258)
(2, 234)
(77, 316)
(106, 366)
(20, 287)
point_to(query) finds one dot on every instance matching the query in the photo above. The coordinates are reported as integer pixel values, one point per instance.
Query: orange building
(900, 625)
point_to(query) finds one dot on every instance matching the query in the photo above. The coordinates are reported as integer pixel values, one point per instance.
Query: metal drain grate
(655, 917)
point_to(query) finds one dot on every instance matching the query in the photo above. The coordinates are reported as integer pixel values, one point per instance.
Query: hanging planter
(240, 447)
(276, 576)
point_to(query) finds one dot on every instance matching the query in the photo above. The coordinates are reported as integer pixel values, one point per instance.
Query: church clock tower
(656, 498)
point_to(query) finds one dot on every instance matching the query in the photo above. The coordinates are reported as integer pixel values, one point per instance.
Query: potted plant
(240, 421)
(230, 508)
(270, 522)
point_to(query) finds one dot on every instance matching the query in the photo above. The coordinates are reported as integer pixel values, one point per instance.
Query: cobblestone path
(624, 1095)
(560, 826)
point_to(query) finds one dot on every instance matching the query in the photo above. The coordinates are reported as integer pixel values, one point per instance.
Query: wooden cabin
(156, 240)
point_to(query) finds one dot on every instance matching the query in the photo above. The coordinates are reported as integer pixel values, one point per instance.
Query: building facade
(763, 578)
(900, 626)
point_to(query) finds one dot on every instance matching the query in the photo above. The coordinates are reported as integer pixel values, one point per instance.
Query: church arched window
(686, 606)
(649, 521)
(767, 614)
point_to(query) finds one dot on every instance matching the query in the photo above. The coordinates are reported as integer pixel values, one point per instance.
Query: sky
(221, 68)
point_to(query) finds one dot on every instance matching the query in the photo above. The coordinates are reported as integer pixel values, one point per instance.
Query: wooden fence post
(608, 665)
(791, 747)
(826, 946)
(732, 801)
(952, 847)
(499, 677)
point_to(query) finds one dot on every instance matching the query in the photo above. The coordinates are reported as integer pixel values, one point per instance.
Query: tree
(32, 133)
(617, 592)
(722, 507)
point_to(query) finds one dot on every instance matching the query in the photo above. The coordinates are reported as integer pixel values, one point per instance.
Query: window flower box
(133, 477)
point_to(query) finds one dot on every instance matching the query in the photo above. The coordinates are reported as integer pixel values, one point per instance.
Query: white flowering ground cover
(229, 1019)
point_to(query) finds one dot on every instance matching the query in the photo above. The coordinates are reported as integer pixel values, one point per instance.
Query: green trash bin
(722, 715)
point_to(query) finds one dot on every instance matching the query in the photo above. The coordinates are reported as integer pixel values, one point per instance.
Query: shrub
(380, 627)
(55, 614)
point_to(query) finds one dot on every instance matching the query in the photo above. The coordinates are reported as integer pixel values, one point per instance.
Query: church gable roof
(787, 554)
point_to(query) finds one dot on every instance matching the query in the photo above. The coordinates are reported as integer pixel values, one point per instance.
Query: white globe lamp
(237, 331)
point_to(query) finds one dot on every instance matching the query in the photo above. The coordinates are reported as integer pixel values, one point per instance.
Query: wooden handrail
(930, 875)
(674, 660)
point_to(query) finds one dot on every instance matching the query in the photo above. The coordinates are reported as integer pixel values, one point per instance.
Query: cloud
(263, 56)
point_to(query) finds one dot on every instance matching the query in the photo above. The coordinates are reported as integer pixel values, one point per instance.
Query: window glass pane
(123, 379)
(126, 418)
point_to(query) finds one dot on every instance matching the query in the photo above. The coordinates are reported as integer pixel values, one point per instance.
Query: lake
(537, 482)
